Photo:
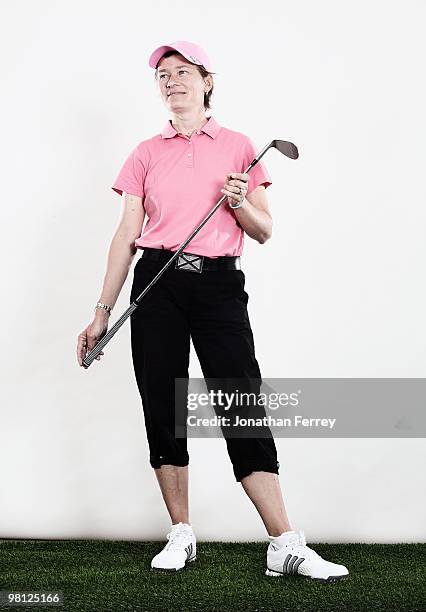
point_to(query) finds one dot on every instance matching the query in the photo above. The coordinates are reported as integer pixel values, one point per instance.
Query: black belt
(191, 262)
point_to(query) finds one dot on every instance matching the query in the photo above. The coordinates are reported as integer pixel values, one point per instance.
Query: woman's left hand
(236, 187)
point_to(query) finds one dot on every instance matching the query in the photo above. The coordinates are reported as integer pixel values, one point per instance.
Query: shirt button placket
(190, 155)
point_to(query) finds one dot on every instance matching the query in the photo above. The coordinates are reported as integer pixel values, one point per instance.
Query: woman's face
(181, 85)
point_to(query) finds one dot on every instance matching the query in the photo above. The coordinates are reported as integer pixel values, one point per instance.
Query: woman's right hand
(91, 336)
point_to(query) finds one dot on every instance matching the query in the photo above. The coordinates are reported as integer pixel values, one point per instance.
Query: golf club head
(286, 148)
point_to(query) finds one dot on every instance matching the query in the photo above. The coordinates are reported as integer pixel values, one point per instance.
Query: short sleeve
(131, 177)
(258, 174)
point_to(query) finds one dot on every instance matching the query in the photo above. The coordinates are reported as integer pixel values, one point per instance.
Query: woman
(175, 178)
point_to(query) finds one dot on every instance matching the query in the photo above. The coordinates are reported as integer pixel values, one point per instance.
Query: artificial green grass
(99, 575)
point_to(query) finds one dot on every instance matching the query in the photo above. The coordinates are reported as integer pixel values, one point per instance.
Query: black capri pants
(211, 308)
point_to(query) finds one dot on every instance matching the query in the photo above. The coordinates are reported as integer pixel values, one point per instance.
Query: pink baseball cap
(192, 52)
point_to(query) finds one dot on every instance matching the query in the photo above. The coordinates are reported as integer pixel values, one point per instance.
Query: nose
(170, 89)
(170, 82)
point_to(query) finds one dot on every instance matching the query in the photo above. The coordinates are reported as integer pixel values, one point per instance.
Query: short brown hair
(201, 70)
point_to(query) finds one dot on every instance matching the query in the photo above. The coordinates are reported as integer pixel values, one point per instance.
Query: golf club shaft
(107, 337)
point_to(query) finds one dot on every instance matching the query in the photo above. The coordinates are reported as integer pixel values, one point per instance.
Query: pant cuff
(246, 470)
(157, 463)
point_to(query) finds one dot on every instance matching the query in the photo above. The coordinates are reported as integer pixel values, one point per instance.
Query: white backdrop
(337, 292)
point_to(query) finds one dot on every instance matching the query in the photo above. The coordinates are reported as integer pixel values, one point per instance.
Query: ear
(208, 81)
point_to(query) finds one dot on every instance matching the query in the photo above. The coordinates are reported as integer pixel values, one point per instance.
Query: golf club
(286, 148)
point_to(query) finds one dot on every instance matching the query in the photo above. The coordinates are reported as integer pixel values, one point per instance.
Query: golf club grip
(107, 337)
(90, 357)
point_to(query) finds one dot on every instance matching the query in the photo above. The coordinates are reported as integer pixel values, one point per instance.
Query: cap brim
(158, 54)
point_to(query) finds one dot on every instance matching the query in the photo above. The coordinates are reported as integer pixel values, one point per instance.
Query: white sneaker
(288, 554)
(180, 549)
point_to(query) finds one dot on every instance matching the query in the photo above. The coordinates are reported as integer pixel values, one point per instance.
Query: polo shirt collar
(211, 128)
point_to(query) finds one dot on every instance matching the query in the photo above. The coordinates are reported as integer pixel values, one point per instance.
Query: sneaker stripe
(291, 564)
(285, 564)
(296, 565)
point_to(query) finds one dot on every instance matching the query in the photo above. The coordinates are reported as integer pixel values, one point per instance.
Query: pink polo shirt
(180, 179)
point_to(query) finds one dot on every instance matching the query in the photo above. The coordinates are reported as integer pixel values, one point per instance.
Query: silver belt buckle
(190, 262)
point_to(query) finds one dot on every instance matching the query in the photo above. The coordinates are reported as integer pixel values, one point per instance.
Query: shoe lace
(308, 553)
(177, 537)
